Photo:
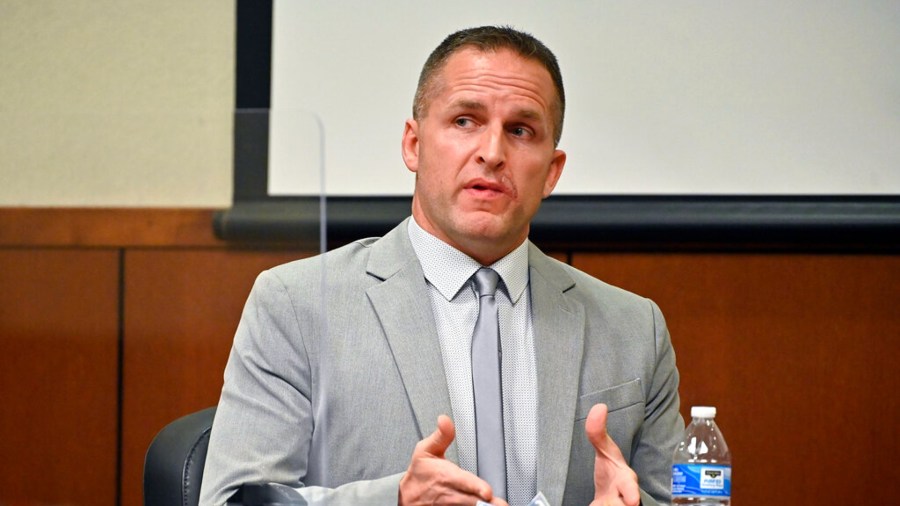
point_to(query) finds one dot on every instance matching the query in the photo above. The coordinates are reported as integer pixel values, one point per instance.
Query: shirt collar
(449, 269)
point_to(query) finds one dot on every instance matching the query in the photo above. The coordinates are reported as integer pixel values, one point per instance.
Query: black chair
(173, 467)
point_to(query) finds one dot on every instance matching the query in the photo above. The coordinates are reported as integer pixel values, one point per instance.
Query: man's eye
(520, 131)
(463, 122)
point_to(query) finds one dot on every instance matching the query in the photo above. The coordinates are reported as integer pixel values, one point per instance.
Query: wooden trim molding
(601, 223)
(107, 227)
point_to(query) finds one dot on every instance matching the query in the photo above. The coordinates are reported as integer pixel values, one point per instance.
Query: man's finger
(614, 482)
(631, 494)
(595, 426)
(438, 441)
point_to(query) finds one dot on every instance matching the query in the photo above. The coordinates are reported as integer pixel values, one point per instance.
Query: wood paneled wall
(797, 352)
(114, 322)
(58, 375)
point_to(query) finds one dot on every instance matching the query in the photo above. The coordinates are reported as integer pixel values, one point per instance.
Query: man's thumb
(595, 425)
(436, 443)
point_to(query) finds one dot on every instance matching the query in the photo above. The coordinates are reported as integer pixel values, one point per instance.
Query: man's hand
(615, 484)
(431, 479)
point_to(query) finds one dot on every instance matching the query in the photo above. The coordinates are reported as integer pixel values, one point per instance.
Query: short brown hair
(491, 38)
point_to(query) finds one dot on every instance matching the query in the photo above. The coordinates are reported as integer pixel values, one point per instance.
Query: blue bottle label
(704, 480)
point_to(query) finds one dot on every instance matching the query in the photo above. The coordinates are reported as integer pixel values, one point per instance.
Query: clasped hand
(433, 480)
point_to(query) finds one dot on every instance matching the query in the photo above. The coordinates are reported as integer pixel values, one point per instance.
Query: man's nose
(492, 148)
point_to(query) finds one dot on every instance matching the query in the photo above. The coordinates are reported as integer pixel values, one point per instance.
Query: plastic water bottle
(701, 465)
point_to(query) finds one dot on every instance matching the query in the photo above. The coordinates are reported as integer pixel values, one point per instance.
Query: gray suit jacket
(336, 374)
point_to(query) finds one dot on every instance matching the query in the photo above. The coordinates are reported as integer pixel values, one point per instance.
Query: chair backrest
(173, 467)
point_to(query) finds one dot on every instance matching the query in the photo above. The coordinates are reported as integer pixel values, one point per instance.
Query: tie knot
(486, 281)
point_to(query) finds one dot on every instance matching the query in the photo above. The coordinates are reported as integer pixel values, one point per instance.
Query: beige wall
(116, 103)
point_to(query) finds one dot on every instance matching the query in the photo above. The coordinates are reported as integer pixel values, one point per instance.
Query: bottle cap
(703, 412)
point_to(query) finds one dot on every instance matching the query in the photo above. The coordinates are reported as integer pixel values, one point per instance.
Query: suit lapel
(404, 309)
(559, 343)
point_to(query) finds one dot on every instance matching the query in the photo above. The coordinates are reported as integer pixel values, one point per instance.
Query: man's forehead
(504, 68)
(470, 57)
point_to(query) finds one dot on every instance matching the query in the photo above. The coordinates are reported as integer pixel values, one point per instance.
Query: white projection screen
(692, 97)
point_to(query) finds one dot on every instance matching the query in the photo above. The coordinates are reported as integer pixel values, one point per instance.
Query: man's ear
(410, 145)
(556, 168)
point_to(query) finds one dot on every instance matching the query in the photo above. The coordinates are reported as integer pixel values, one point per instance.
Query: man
(352, 376)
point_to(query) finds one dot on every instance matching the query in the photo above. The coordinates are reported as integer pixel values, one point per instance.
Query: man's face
(483, 153)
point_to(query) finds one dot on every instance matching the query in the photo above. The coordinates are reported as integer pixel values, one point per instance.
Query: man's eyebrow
(529, 114)
(468, 105)
(474, 105)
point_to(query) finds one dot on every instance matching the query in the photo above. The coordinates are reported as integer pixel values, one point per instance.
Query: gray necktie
(486, 385)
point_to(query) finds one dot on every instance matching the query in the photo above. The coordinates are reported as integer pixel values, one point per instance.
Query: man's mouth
(486, 188)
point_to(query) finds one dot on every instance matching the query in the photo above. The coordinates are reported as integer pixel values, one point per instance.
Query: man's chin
(489, 228)
(482, 224)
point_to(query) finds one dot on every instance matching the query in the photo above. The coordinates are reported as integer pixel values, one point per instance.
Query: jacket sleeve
(264, 423)
(651, 457)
